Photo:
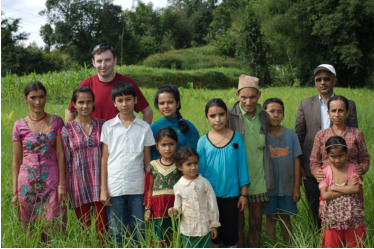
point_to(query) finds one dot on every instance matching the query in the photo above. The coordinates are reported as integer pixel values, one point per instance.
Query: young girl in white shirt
(196, 201)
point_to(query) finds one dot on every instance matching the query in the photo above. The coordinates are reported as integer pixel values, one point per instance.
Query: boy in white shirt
(125, 154)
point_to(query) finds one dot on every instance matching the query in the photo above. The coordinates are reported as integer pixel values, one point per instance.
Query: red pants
(84, 215)
(351, 237)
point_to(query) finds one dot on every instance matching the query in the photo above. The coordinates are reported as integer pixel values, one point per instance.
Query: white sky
(31, 21)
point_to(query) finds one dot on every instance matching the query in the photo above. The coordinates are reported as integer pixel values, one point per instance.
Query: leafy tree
(176, 26)
(80, 25)
(252, 48)
(11, 48)
(308, 33)
(46, 32)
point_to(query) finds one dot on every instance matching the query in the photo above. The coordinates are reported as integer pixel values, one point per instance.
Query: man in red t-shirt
(104, 60)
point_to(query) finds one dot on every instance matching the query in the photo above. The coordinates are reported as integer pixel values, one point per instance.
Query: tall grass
(304, 234)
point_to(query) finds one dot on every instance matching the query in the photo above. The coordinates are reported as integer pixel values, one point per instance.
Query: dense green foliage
(307, 33)
(192, 102)
(23, 60)
(77, 26)
(191, 58)
(268, 37)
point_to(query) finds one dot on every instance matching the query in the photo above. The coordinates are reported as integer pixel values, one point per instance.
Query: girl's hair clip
(343, 145)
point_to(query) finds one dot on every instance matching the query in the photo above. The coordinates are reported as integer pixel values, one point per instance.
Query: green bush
(191, 58)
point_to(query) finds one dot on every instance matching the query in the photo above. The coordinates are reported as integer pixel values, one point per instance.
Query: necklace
(164, 163)
(339, 185)
(39, 119)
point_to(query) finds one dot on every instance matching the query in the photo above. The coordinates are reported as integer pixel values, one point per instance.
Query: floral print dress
(38, 173)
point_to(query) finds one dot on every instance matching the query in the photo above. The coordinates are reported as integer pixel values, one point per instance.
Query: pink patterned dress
(343, 212)
(38, 173)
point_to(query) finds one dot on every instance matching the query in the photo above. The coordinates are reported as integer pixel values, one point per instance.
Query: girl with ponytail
(167, 101)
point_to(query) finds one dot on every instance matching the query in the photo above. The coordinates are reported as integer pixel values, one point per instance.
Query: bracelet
(241, 195)
(147, 208)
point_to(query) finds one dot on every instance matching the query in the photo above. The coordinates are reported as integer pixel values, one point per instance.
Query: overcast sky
(31, 21)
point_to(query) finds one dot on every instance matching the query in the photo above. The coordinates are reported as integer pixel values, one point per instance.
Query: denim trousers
(126, 211)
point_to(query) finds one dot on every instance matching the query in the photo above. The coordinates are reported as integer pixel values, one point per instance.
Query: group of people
(123, 170)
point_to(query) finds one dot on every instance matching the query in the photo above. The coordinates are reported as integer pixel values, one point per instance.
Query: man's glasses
(325, 79)
(102, 46)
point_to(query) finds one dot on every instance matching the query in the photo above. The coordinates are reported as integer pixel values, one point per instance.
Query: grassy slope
(193, 103)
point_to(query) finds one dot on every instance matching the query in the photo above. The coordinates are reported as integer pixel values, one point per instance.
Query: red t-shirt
(104, 107)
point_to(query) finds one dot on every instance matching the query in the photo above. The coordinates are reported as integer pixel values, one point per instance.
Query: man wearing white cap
(311, 117)
(247, 117)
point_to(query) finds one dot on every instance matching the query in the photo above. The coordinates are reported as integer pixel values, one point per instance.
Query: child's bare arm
(243, 200)
(352, 187)
(327, 194)
(296, 186)
(147, 156)
(104, 195)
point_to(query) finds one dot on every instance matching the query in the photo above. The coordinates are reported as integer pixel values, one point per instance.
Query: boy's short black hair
(123, 88)
(272, 100)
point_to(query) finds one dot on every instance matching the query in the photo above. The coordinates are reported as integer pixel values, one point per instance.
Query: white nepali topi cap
(248, 81)
(327, 67)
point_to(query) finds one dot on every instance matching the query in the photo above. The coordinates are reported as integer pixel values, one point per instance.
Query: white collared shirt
(325, 119)
(196, 200)
(126, 155)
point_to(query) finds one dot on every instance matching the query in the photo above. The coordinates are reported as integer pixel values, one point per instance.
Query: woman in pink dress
(38, 164)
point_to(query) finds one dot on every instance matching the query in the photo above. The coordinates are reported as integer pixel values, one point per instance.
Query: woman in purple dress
(38, 164)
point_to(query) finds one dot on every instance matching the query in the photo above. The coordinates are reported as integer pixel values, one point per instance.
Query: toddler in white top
(195, 199)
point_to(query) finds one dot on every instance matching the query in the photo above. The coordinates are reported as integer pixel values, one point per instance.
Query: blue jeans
(126, 210)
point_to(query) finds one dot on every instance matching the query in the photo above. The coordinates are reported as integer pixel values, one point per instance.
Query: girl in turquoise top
(223, 161)
(167, 101)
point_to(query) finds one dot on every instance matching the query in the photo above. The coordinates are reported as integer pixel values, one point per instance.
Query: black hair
(166, 132)
(272, 100)
(123, 88)
(183, 154)
(336, 142)
(215, 102)
(338, 97)
(102, 47)
(82, 89)
(34, 86)
(183, 126)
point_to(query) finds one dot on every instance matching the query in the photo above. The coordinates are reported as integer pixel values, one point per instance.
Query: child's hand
(353, 181)
(147, 215)
(242, 203)
(296, 195)
(172, 212)
(213, 232)
(359, 170)
(319, 175)
(104, 198)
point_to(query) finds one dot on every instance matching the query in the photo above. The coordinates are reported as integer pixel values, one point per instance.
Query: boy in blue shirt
(285, 151)
(125, 154)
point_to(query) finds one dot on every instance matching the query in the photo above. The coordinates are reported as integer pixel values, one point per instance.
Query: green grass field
(193, 104)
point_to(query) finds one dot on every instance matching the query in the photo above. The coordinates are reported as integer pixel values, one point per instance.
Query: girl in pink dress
(341, 212)
(82, 146)
(38, 164)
